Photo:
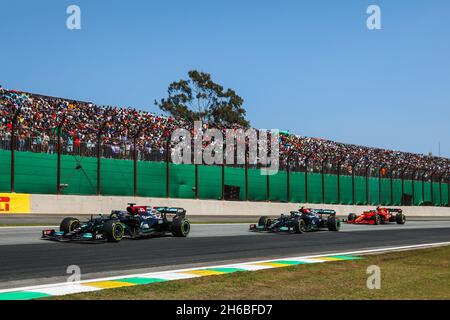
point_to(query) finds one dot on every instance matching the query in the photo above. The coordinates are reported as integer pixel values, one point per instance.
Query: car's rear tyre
(377, 219)
(333, 224)
(400, 218)
(114, 231)
(180, 228)
(299, 226)
(352, 217)
(264, 221)
(69, 224)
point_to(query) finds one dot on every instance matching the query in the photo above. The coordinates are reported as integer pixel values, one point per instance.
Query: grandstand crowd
(38, 118)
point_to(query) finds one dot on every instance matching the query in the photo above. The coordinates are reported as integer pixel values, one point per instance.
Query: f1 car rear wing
(325, 211)
(179, 212)
(319, 211)
(394, 210)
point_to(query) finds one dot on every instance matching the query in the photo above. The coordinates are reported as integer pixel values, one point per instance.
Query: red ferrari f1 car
(378, 216)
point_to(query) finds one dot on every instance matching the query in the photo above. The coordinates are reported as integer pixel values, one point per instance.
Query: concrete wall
(76, 205)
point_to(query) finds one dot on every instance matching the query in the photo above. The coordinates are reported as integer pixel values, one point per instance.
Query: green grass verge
(419, 274)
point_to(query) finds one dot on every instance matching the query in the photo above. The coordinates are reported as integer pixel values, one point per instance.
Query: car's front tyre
(299, 226)
(114, 231)
(69, 224)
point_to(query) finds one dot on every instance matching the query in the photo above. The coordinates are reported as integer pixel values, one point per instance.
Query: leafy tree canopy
(200, 98)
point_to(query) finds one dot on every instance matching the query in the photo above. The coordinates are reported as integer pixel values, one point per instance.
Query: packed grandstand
(38, 116)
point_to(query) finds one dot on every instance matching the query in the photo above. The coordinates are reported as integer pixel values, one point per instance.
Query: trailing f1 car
(378, 216)
(135, 222)
(300, 221)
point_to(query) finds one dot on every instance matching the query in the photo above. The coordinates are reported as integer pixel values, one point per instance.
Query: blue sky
(311, 67)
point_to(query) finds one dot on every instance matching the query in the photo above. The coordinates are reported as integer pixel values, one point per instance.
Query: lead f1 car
(135, 222)
(378, 216)
(300, 221)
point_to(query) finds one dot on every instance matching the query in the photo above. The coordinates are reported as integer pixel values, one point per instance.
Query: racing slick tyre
(333, 224)
(180, 228)
(400, 218)
(299, 226)
(114, 231)
(264, 221)
(352, 217)
(377, 219)
(69, 224)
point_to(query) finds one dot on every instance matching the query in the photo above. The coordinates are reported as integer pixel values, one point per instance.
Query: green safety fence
(346, 190)
(397, 192)
(408, 190)
(315, 188)
(385, 192)
(152, 179)
(257, 185)
(436, 194)
(5, 171)
(297, 184)
(360, 190)
(445, 194)
(418, 197)
(278, 187)
(36, 173)
(79, 175)
(181, 182)
(374, 191)
(116, 178)
(331, 189)
(235, 176)
(209, 182)
(427, 193)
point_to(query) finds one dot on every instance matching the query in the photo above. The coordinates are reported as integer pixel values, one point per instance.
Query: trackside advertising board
(14, 203)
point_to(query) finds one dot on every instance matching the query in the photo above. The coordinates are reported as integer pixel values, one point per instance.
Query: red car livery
(378, 216)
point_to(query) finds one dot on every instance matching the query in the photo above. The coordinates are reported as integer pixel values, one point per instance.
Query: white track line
(28, 227)
(236, 265)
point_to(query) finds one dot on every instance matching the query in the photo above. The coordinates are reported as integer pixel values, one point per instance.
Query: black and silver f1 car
(135, 222)
(304, 220)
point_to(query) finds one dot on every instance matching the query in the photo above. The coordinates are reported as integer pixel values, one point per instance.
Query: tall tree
(200, 98)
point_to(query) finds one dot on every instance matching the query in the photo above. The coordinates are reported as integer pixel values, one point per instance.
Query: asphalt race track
(27, 260)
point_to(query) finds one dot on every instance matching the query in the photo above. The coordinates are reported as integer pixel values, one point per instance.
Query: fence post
(323, 178)
(306, 178)
(441, 203)
(268, 187)
(13, 150)
(391, 176)
(339, 164)
(134, 166)
(196, 181)
(380, 186)
(353, 183)
(246, 171)
(99, 141)
(432, 188)
(413, 186)
(423, 185)
(223, 180)
(380, 198)
(135, 155)
(448, 190)
(168, 168)
(58, 165)
(288, 180)
(367, 185)
(403, 185)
